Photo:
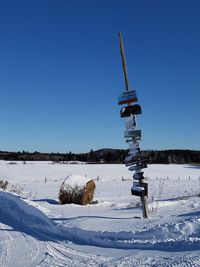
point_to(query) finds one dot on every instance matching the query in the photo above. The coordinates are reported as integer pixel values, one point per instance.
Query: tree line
(107, 156)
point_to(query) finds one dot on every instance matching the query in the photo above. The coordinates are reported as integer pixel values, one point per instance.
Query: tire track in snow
(160, 261)
(18, 249)
(5, 244)
(41, 242)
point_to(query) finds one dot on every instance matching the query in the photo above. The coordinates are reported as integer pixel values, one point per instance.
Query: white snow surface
(74, 180)
(36, 231)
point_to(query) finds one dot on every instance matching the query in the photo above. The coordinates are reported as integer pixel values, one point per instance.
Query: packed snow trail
(30, 238)
(178, 235)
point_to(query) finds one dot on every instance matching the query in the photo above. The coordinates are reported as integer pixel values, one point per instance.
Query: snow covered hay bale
(77, 189)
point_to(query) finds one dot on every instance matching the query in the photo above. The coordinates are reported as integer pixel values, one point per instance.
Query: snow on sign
(130, 122)
(127, 97)
(130, 110)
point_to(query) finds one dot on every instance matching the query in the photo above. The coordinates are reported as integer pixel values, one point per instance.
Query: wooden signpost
(132, 135)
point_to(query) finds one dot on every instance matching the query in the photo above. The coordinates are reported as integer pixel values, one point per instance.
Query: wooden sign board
(134, 145)
(138, 175)
(137, 160)
(129, 158)
(128, 134)
(137, 191)
(130, 110)
(129, 141)
(134, 152)
(127, 97)
(132, 160)
(140, 190)
(136, 134)
(138, 167)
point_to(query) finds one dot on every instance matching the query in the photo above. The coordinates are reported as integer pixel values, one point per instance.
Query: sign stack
(133, 136)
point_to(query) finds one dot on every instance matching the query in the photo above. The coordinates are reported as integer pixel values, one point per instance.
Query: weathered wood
(144, 202)
(123, 62)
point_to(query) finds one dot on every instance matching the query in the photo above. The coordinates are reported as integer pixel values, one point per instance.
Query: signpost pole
(144, 202)
(123, 61)
(143, 196)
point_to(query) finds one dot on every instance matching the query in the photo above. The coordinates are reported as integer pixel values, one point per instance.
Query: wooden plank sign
(132, 159)
(130, 110)
(139, 189)
(127, 97)
(138, 167)
(134, 152)
(128, 133)
(135, 160)
(137, 134)
(138, 175)
(134, 145)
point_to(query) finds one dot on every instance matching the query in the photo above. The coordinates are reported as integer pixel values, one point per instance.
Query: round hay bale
(77, 189)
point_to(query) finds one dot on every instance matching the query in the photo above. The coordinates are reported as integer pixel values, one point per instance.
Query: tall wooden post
(128, 97)
(123, 61)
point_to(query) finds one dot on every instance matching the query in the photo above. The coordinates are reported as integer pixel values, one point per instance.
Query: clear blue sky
(60, 73)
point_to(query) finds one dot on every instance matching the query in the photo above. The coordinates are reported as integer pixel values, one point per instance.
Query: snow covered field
(36, 231)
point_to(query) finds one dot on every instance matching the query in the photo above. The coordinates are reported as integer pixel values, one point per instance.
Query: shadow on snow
(27, 219)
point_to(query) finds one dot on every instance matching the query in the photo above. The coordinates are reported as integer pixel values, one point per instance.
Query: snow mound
(74, 180)
(17, 212)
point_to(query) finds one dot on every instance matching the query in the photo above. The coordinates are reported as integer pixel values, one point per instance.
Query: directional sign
(130, 110)
(137, 134)
(129, 141)
(134, 152)
(138, 167)
(132, 159)
(127, 97)
(130, 122)
(128, 133)
(129, 158)
(136, 160)
(139, 189)
(138, 175)
(134, 145)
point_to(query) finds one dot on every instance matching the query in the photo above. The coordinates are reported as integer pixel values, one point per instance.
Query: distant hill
(108, 155)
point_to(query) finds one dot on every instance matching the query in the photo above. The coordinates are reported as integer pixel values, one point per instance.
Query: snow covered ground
(36, 231)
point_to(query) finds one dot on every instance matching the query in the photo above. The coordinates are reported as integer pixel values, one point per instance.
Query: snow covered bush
(77, 189)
